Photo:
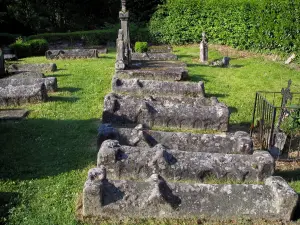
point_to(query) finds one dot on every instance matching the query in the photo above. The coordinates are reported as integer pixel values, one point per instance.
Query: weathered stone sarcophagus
(191, 113)
(155, 70)
(153, 87)
(38, 67)
(228, 143)
(157, 198)
(140, 162)
(72, 54)
(50, 82)
(154, 56)
(17, 95)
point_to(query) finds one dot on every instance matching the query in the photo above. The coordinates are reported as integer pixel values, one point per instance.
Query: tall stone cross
(2, 68)
(203, 49)
(124, 16)
(286, 95)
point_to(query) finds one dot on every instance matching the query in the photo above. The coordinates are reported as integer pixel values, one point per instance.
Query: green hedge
(35, 47)
(95, 37)
(246, 24)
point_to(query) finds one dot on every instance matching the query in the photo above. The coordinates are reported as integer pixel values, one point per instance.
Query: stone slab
(153, 56)
(158, 88)
(157, 198)
(160, 49)
(72, 54)
(130, 162)
(17, 95)
(38, 67)
(10, 57)
(50, 82)
(228, 143)
(174, 112)
(25, 75)
(13, 114)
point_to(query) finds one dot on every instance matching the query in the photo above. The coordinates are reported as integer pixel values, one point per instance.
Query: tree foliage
(70, 15)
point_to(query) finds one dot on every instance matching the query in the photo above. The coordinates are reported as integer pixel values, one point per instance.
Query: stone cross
(286, 95)
(2, 68)
(123, 2)
(203, 49)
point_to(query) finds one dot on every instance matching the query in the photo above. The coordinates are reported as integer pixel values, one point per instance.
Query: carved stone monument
(2, 68)
(120, 59)
(203, 49)
(124, 16)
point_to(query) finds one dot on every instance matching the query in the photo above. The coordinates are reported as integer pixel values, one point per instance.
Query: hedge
(245, 24)
(95, 37)
(35, 47)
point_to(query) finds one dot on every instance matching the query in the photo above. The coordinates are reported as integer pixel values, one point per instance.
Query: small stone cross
(286, 95)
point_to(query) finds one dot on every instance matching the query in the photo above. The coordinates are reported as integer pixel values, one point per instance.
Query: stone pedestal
(2, 68)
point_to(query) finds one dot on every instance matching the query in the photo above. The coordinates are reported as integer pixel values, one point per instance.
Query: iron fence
(273, 114)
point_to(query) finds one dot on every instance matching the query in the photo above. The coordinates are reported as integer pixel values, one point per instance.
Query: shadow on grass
(69, 89)
(7, 201)
(289, 175)
(37, 148)
(217, 95)
(59, 75)
(62, 99)
(197, 78)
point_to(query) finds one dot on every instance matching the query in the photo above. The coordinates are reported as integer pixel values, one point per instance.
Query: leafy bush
(38, 46)
(34, 47)
(141, 47)
(245, 24)
(22, 50)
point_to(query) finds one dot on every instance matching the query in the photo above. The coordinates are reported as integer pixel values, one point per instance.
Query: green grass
(44, 159)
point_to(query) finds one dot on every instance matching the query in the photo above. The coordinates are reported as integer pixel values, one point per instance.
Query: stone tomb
(21, 94)
(140, 162)
(72, 54)
(191, 113)
(157, 198)
(50, 82)
(154, 87)
(153, 56)
(155, 70)
(39, 67)
(228, 143)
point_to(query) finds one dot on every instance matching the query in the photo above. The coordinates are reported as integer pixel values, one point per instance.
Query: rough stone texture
(50, 82)
(17, 95)
(10, 57)
(72, 54)
(13, 114)
(25, 75)
(140, 162)
(290, 59)
(155, 70)
(156, 198)
(105, 132)
(160, 49)
(235, 143)
(41, 67)
(153, 56)
(191, 113)
(120, 58)
(153, 87)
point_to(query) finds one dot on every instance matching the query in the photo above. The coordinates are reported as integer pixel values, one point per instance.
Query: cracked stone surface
(72, 53)
(17, 95)
(140, 162)
(176, 112)
(155, 197)
(50, 82)
(39, 67)
(159, 88)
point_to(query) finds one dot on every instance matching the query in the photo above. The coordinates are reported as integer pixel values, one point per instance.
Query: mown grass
(44, 159)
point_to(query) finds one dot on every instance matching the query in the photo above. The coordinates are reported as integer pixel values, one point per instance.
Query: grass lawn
(44, 159)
